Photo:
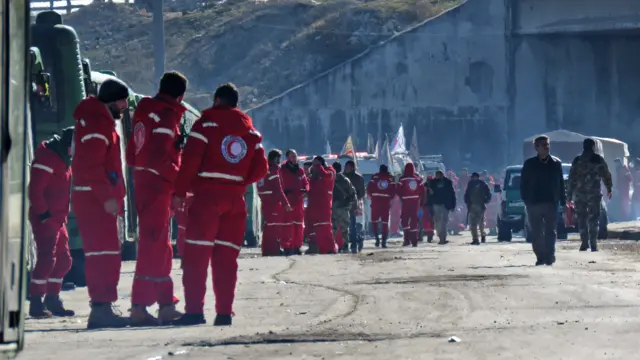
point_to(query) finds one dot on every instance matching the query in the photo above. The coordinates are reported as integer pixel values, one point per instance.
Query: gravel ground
(398, 303)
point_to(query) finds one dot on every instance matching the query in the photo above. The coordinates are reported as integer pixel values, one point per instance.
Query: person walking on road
(344, 200)
(357, 180)
(477, 195)
(542, 190)
(442, 197)
(587, 172)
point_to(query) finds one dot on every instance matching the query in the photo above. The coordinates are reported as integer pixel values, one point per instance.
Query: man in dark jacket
(358, 183)
(477, 195)
(542, 190)
(442, 197)
(344, 200)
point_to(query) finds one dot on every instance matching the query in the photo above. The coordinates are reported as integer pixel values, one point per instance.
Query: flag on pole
(399, 143)
(370, 144)
(327, 148)
(349, 150)
(413, 148)
(386, 157)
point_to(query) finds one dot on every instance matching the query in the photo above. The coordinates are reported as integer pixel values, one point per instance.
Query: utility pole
(158, 38)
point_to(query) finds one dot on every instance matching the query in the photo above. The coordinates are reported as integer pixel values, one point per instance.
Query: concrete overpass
(477, 80)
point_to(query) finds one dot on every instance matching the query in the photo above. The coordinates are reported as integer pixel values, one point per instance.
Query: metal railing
(67, 6)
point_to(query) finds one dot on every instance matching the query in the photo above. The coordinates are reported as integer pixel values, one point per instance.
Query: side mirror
(496, 188)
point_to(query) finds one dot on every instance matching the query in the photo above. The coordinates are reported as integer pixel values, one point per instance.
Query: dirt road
(399, 303)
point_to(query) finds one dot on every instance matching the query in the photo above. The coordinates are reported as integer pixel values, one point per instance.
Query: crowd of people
(222, 157)
(203, 181)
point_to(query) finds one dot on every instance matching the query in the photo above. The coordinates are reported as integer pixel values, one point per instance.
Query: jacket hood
(232, 120)
(91, 106)
(409, 170)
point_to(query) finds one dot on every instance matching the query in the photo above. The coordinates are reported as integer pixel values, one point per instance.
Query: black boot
(384, 242)
(37, 309)
(475, 242)
(222, 320)
(190, 320)
(594, 245)
(55, 305)
(584, 246)
(377, 240)
(429, 238)
(483, 239)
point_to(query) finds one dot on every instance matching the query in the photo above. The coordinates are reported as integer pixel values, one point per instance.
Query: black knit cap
(113, 90)
(67, 136)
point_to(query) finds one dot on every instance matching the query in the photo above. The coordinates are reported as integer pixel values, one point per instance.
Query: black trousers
(543, 222)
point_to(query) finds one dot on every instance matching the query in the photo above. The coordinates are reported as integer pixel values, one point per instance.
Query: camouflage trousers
(476, 221)
(440, 220)
(588, 214)
(340, 221)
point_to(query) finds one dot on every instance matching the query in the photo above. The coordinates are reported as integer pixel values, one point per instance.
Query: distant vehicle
(429, 164)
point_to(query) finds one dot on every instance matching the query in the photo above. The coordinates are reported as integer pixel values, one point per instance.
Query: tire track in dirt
(354, 298)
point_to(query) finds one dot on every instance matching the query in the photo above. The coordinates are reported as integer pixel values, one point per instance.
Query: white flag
(413, 149)
(399, 143)
(327, 148)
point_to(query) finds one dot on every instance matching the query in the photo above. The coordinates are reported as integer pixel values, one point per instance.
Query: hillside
(263, 46)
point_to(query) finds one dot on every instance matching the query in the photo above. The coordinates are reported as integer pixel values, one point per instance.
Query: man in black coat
(442, 196)
(542, 190)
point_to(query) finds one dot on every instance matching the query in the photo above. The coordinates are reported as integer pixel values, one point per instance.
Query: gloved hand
(419, 213)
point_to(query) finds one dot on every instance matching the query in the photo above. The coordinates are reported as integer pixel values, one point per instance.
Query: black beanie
(384, 169)
(113, 90)
(67, 136)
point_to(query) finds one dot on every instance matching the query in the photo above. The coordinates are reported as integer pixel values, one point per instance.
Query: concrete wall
(447, 77)
(588, 84)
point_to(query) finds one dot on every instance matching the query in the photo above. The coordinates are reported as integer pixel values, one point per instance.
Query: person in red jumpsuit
(624, 179)
(222, 157)
(309, 234)
(381, 189)
(427, 212)
(154, 152)
(98, 196)
(49, 197)
(320, 200)
(295, 184)
(409, 192)
(274, 205)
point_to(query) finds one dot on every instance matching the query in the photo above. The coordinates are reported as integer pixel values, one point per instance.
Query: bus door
(15, 143)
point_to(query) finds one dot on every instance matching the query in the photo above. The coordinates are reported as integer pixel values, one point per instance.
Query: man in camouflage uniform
(476, 196)
(344, 200)
(587, 171)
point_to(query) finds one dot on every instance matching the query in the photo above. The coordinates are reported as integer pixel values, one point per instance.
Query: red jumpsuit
(409, 192)
(381, 189)
(181, 218)
(623, 180)
(222, 157)
(153, 152)
(427, 216)
(273, 211)
(294, 184)
(320, 200)
(49, 186)
(97, 170)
